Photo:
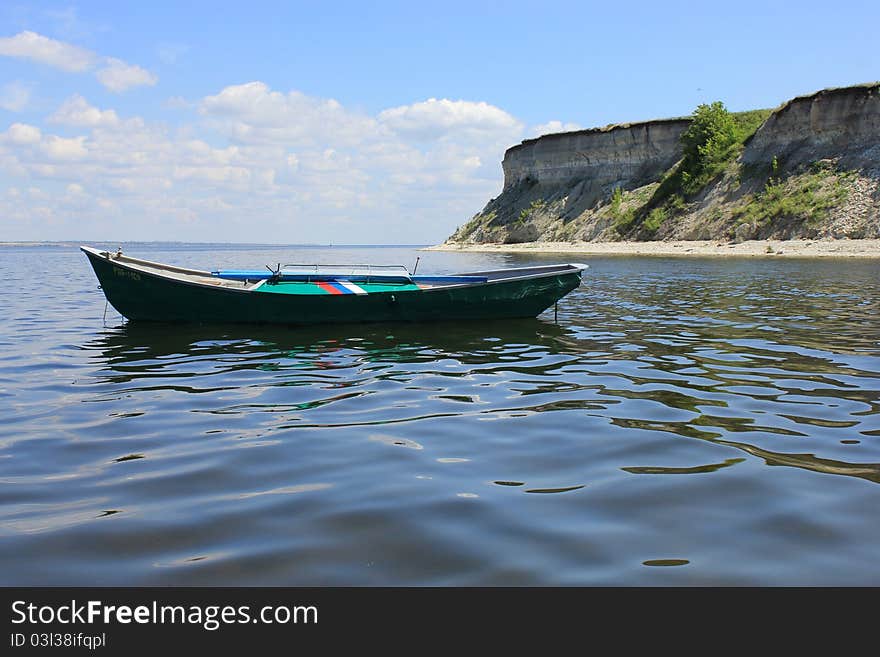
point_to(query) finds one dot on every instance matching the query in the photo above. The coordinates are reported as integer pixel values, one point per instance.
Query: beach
(820, 248)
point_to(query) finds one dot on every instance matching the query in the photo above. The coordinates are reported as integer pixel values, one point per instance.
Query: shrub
(709, 143)
(616, 200)
(655, 219)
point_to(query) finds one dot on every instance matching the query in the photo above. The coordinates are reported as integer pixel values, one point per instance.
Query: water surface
(686, 421)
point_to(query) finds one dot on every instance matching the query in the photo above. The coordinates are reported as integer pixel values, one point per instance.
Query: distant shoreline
(820, 248)
(76, 244)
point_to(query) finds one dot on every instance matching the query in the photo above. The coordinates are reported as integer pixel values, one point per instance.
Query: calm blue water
(687, 421)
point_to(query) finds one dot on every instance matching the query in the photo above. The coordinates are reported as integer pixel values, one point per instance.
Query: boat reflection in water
(526, 358)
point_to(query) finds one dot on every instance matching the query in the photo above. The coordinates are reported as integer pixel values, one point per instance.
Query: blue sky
(358, 122)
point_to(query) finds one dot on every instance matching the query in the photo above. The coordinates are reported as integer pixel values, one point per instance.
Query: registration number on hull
(125, 273)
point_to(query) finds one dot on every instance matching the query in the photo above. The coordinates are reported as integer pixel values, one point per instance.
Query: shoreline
(818, 248)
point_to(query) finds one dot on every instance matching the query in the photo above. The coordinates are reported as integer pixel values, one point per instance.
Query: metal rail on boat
(366, 273)
(309, 273)
(355, 273)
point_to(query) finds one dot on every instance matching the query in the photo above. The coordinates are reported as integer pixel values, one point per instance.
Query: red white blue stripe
(341, 287)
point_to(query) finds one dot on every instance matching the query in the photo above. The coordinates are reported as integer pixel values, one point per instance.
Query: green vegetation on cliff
(808, 169)
(714, 139)
(810, 195)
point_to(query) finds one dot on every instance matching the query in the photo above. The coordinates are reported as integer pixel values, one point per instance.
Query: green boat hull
(141, 296)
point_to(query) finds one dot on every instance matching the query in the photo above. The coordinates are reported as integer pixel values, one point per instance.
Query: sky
(358, 122)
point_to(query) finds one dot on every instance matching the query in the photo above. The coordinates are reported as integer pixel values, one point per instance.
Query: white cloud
(306, 168)
(552, 127)
(434, 118)
(213, 174)
(76, 111)
(115, 74)
(61, 148)
(23, 134)
(434, 142)
(252, 113)
(57, 54)
(14, 96)
(118, 76)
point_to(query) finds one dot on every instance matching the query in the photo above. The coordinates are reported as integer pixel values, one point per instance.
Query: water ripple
(452, 454)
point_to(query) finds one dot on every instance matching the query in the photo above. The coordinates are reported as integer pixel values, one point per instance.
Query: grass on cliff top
(747, 123)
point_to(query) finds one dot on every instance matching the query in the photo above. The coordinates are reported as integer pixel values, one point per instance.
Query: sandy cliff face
(556, 178)
(833, 123)
(619, 155)
(559, 187)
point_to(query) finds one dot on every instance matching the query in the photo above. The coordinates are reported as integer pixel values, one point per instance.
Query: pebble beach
(823, 248)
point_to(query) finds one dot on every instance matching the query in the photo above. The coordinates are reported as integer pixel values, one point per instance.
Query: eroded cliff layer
(823, 149)
(833, 123)
(617, 155)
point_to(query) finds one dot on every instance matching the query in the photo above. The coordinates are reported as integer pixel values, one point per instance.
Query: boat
(142, 291)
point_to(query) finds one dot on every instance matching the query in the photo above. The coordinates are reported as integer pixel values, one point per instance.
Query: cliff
(617, 154)
(828, 124)
(811, 169)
